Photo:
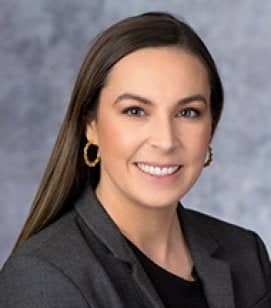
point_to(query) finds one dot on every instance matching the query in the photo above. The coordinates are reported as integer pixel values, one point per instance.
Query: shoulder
(28, 281)
(55, 242)
(237, 244)
(37, 275)
(220, 229)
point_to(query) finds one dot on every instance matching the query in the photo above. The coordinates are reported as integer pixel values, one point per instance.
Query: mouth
(158, 170)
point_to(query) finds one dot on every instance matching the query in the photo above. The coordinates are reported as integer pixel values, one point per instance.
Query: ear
(91, 131)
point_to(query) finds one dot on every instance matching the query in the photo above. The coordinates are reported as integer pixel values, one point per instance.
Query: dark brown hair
(66, 175)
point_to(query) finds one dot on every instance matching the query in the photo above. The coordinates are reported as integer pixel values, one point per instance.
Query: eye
(189, 113)
(134, 111)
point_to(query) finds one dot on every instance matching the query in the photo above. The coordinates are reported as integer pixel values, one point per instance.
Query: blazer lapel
(146, 286)
(97, 219)
(213, 272)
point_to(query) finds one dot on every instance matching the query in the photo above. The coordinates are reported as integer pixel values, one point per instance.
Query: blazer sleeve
(264, 258)
(28, 282)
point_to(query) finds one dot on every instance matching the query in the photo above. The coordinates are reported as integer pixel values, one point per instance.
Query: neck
(155, 231)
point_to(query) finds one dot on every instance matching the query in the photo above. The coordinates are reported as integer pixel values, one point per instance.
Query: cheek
(197, 139)
(116, 141)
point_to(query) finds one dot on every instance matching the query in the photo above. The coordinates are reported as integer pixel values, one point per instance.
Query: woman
(106, 228)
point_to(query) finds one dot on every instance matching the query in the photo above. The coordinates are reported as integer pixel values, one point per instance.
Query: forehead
(159, 69)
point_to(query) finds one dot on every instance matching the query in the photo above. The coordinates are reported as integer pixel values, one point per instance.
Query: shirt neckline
(156, 267)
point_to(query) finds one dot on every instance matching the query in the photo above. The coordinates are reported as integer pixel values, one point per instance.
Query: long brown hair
(66, 175)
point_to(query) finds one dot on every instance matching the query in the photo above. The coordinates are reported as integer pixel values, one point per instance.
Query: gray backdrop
(42, 45)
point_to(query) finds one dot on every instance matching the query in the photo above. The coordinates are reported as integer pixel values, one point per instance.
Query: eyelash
(127, 111)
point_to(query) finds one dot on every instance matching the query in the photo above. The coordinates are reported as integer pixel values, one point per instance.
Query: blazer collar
(213, 272)
(99, 222)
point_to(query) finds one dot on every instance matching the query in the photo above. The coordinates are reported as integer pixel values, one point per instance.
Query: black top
(174, 291)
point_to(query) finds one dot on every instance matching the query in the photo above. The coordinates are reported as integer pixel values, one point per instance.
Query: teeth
(157, 170)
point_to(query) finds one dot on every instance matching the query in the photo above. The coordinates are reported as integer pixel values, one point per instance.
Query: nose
(163, 135)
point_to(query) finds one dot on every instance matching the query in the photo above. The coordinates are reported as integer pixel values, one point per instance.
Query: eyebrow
(143, 100)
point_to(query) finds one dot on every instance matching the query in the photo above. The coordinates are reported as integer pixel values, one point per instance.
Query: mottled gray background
(42, 45)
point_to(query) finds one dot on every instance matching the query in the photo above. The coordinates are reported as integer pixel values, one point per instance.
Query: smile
(156, 170)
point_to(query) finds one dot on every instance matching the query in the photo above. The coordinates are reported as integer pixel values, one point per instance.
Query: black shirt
(174, 291)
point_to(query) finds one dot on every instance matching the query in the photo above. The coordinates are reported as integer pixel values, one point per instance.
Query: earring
(87, 161)
(210, 156)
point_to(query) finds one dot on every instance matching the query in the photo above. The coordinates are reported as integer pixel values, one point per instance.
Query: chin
(156, 202)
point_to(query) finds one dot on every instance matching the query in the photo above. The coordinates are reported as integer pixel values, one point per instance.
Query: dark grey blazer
(82, 260)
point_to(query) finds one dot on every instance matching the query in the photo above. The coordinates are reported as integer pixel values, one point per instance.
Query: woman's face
(153, 127)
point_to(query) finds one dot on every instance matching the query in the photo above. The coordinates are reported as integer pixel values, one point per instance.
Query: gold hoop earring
(87, 161)
(210, 156)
